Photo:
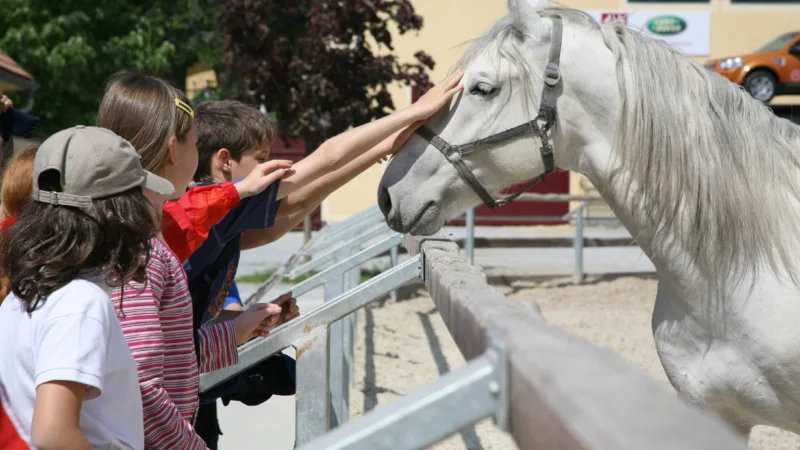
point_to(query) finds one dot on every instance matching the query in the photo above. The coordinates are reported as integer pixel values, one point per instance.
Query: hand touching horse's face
(502, 85)
(419, 178)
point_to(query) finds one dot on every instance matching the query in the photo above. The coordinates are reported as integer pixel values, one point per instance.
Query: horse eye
(483, 89)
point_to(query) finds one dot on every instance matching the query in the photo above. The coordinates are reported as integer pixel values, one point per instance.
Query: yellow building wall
(450, 24)
(199, 77)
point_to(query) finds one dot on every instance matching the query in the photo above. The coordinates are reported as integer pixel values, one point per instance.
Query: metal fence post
(578, 242)
(394, 256)
(470, 238)
(333, 288)
(349, 323)
(313, 412)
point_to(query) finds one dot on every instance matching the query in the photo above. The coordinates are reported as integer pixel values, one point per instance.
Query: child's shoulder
(161, 256)
(84, 296)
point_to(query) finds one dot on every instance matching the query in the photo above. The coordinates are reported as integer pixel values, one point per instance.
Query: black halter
(540, 126)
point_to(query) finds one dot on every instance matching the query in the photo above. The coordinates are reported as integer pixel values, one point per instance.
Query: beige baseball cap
(93, 163)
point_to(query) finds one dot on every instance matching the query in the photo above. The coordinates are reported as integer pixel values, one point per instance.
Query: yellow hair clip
(184, 107)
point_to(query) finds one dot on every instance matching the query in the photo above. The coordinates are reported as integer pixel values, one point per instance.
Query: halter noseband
(546, 116)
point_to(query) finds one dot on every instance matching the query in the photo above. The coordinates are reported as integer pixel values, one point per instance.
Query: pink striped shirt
(156, 319)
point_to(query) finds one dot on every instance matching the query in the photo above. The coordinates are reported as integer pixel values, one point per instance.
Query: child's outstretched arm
(187, 221)
(283, 224)
(290, 215)
(336, 152)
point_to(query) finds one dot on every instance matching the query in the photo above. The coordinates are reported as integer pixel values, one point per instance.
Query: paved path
(271, 424)
(497, 261)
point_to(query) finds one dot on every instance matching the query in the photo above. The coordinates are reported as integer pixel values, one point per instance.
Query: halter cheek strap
(453, 154)
(539, 126)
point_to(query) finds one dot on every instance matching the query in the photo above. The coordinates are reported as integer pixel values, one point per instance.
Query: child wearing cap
(67, 372)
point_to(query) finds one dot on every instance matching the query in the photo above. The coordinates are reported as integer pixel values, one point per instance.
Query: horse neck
(611, 181)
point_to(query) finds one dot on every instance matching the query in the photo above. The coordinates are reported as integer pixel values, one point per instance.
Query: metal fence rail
(549, 389)
(575, 215)
(324, 337)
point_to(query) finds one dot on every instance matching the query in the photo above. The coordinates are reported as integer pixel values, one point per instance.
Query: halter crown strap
(546, 116)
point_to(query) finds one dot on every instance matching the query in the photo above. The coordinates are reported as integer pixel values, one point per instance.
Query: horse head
(504, 77)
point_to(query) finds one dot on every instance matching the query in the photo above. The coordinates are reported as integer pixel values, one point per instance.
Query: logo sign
(689, 32)
(620, 18)
(666, 25)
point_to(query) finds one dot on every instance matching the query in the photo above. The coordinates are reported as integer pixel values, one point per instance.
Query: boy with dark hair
(232, 139)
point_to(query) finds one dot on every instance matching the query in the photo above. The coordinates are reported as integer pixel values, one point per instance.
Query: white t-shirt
(74, 336)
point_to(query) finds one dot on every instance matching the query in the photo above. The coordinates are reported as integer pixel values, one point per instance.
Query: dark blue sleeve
(254, 213)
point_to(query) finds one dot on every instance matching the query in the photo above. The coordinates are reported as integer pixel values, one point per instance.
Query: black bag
(273, 376)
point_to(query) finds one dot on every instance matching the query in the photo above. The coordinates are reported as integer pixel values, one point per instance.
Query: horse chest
(739, 356)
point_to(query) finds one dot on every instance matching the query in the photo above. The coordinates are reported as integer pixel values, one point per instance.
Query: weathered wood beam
(565, 393)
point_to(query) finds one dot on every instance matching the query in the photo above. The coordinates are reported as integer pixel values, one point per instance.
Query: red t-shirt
(187, 221)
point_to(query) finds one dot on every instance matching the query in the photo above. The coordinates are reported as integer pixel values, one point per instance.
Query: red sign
(795, 76)
(615, 17)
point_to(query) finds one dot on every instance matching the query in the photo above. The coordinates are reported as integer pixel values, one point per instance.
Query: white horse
(704, 177)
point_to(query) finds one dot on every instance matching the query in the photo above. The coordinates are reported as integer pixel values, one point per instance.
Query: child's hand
(262, 176)
(436, 97)
(5, 103)
(289, 309)
(257, 320)
(394, 142)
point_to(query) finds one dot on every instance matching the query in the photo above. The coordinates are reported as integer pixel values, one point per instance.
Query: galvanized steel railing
(547, 388)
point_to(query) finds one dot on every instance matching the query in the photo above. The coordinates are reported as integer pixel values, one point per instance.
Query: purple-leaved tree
(320, 66)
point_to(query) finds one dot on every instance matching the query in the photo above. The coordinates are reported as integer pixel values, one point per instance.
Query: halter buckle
(552, 74)
(452, 153)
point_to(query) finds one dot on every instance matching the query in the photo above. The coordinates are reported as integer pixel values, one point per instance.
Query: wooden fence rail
(564, 392)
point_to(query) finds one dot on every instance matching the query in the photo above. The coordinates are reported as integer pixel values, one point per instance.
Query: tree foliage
(321, 66)
(71, 47)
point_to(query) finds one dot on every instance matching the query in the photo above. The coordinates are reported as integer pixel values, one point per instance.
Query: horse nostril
(384, 201)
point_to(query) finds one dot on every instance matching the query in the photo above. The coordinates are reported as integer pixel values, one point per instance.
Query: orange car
(773, 69)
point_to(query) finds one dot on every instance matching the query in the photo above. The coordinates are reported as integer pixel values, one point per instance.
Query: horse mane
(707, 157)
(702, 154)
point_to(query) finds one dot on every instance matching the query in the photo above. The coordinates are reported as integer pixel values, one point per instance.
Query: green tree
(72, 46)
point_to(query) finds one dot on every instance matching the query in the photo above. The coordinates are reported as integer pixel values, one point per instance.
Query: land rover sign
(688, 31)
(666, 25)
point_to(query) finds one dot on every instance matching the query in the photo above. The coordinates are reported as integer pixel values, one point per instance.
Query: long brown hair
(49, 246)
(141, 109)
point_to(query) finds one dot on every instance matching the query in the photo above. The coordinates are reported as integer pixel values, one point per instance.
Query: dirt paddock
(403, 345)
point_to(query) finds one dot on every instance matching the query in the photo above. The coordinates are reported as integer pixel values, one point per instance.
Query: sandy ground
(403, 345)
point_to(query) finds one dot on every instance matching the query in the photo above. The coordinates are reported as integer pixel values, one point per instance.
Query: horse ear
(524, 12)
